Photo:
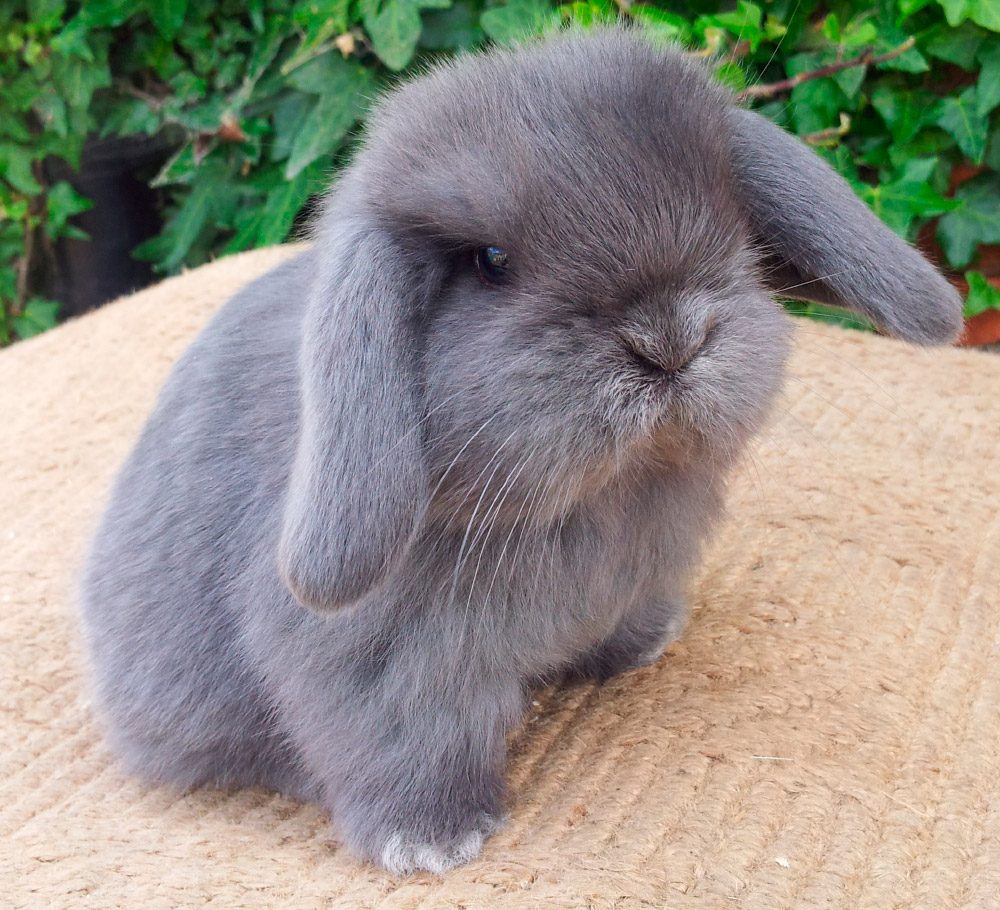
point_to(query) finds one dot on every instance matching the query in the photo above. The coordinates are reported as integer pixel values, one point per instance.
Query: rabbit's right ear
(358, 488)
(822, 243)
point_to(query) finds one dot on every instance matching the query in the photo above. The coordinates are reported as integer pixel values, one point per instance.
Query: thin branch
(155, 104)
(824, 137)
(36, 205)
(23, 266)
(770, 89)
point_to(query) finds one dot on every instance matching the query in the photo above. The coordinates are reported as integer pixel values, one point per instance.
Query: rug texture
(825, 734)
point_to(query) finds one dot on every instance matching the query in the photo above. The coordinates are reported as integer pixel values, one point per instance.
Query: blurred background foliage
(241, 110)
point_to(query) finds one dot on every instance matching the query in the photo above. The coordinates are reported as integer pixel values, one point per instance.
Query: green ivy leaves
(167, 15)
(909, 196)
(960, 117)
(983, 12)
(394, 27)
(521, 18)
(37, 316)
(341, 91)
(260, 101)
(974, 222)
(982, 296)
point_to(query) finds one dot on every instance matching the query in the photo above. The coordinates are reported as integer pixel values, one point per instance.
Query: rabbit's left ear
(822, 243)
(358, 489)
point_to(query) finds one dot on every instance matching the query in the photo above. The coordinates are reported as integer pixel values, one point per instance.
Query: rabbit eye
(492, 264)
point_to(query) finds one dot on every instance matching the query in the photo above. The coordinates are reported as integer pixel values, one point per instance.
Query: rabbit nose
(663, 358)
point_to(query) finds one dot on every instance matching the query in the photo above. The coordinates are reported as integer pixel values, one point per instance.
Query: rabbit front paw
(404, 854)
(639, 641)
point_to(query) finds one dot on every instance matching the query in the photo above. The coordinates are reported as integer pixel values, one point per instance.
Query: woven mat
(825, 734)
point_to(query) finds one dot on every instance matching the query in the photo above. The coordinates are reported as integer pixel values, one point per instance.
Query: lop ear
(358, 488)
(823, 244)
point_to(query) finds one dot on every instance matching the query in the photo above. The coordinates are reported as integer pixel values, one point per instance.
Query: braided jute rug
(825, 734)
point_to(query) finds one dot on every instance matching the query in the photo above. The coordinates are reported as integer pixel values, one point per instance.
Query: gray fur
(823, 243)
(474, 487)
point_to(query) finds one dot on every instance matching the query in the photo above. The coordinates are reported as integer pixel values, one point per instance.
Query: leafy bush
(258, 100)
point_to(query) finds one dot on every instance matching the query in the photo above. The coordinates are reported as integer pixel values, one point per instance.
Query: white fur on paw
(672, 633)
(678, 621)
(652, 655)
(403, 856)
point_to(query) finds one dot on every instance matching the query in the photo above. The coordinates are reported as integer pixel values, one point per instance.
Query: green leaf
(828, 314)
(15, 167)
(255, 9)
(982, 295)
(129, 117)
(289, 115)
(661, 23)
(331, 117)
(204, 117)
(731, 75)
(816, 104)
(47, 10)
(345, 89)
(268, 223)
(329, 17)
(167, 16)
(319, 21)
(976, 222)
(452, 29)
(904, 110)
(588, 13)
(38, 316)
(988, 85)
(860, 31)
(899, 202)
(926, 142)
(911, 61)
(394, 30)
(955, 11)
(211, 198)
(831, 28)
(890, 37)
(325, 73)
(265, 49)
(983, 12)
(992, 157)
(516, 19)
(51, 111)
(63, 203)
(72, 40)
(849, 81)
(954, 45)
(180, 168)
(744, 23)
(960, 118)
(77, 79)
(909, 7)
(14, 128)
(106, 12)
(323, 129)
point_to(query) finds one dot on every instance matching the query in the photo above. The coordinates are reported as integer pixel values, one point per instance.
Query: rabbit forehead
(599, 135)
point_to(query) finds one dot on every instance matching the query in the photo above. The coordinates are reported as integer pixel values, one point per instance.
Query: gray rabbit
(473, 439)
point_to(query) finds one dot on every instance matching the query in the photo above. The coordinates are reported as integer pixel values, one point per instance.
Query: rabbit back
(194, 504)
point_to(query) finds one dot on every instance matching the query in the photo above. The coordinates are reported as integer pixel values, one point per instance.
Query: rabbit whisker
(490, 519)
(475, 511)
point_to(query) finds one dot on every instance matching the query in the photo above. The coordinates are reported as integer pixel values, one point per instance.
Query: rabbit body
(393, 485)
(214, 672)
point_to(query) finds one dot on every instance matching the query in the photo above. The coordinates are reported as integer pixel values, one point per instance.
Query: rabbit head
(551, 267)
